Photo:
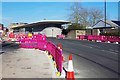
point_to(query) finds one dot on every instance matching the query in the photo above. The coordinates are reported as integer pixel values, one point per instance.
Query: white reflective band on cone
(70, 66)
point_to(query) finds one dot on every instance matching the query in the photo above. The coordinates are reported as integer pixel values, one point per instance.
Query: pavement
(26, 63)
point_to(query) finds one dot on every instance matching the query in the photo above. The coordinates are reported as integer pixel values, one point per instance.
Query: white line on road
(113, 51)
(110, 52)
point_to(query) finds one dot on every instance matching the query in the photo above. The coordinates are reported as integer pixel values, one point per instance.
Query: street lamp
(105, 12)
(105, 15)
(119, 11)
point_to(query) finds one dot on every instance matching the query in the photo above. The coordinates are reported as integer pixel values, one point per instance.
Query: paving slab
(27, 63)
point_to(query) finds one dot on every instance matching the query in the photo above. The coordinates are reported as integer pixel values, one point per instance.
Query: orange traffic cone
(60, 47)
(70, 71)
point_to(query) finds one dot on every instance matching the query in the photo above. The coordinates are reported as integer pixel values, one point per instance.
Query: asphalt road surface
(91, 59)
(8, 47)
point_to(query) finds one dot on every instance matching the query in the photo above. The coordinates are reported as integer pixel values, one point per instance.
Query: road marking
(91, 47)
(113, 52)
(110, 52)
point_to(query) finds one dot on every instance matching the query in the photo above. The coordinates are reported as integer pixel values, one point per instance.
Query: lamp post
(105, 15)
(119, 11)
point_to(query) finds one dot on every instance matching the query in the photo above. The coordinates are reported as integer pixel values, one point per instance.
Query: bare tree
(95, 15)
(74, 12)
(85, 17)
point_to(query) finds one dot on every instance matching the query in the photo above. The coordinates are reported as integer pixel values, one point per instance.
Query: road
(91, 59)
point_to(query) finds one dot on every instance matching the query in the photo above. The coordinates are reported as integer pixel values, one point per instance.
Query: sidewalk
(27, 63)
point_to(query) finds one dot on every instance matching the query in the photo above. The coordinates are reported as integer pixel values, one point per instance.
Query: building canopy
(44, 22)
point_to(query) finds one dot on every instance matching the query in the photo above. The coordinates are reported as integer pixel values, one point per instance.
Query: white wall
(52, 31)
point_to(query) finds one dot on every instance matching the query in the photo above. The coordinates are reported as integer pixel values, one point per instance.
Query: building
(73, 34)
(50, 28)
(111, 27)
(14, 25)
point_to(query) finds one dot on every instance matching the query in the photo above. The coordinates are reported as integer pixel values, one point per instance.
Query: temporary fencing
(40, 42)
(82, 37)
(60, 36)
(101, 38)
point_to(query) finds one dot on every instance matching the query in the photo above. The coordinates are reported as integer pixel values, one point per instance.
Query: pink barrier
(103, 38)
(90, 37)
(56, 53)
(40, 42)
(81, 37)
(60, 36)
(58, 59)
(51, 48)
(113, 38)
(27, 43)
(42, 45)
(39, 37)
(96, 37)
(100, 38)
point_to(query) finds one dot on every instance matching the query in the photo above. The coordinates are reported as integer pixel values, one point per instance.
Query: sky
(30, 12)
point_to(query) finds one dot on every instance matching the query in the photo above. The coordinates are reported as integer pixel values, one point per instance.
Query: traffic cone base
(70, 74)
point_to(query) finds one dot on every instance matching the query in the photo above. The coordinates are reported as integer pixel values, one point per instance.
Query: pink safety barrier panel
(103, 38)
(114, 38)
(42, 45)
(51, 48)
(56, 53)
(40, 42)
(82, 37)
(60, 36)
(58, 59)
(90, 37)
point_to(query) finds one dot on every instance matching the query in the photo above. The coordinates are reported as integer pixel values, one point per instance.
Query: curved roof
(62, 21)
(45, 22)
